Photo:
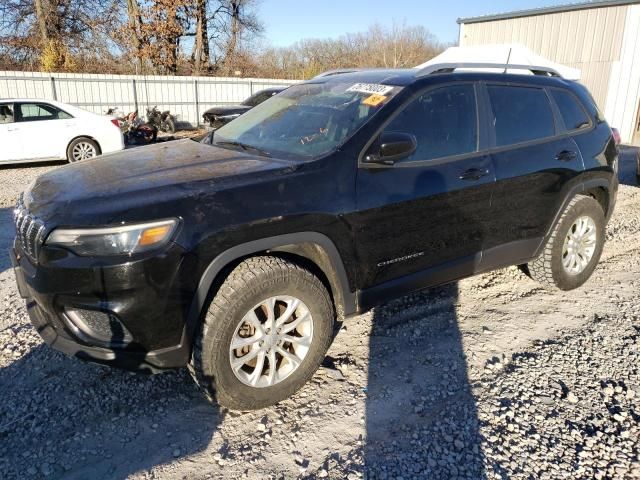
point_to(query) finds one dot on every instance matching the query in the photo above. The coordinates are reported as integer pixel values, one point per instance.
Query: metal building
(601, 38)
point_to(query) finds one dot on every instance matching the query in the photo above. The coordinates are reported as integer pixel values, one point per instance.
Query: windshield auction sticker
(371, 88)
(374, 100)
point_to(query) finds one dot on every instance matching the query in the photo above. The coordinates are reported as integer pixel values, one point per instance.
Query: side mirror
(392, 147)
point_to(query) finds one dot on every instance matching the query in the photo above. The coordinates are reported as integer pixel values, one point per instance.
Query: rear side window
(444, 122)
(572, 112)
(31, 112)
(521, 114)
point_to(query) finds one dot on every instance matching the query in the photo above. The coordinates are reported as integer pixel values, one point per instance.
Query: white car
(34, 130)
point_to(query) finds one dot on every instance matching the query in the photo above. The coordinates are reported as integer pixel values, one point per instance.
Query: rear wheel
(574, 248)
(265, 333)
(82, 148)
(168, 125)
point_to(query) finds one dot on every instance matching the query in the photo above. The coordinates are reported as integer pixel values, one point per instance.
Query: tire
(168, 125)
(82, 148)
(549, 268)
(247, 286)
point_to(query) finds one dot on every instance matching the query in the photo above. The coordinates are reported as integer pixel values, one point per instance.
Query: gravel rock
(490, 378)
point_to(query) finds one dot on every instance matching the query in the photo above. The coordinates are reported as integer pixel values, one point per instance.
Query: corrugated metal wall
(604, 43)
(590, 40)
(186, 97)
(624, 88)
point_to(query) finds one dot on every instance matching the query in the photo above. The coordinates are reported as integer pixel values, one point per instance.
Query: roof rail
(450, 67)
(338, 71)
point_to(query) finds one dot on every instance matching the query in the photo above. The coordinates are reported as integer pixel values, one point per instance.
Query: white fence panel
(185, 97)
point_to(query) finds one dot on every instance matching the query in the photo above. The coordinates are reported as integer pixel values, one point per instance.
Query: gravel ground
(491, 377)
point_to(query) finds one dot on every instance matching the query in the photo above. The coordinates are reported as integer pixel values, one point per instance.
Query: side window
(32, 112)
(444, 122)
(6, 114)
(521, 114)
(572, 113)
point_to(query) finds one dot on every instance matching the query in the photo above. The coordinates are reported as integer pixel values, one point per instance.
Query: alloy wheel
(83, 151)
(271, 341)
(579, 245)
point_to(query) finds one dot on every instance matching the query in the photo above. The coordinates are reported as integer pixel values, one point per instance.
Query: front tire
(265, 333)
(572, 252)
(82, 148)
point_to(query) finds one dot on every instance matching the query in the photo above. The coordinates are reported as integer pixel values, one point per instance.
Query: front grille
(29, 230)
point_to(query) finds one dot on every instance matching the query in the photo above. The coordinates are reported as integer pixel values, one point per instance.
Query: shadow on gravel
(7, 233)
(628, 172)
(63, 418)
(421, 416)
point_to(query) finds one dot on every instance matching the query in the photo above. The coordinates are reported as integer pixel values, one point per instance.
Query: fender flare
(575, 190)
(345, 300)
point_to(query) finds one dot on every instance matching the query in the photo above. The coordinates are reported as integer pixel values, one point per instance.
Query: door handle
(566, 156)
(474, 174)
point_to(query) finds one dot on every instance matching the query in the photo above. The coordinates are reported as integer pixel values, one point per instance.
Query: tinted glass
(520, 114)
(444, 122)
(258, 98)
(572, 113)
(31, 112)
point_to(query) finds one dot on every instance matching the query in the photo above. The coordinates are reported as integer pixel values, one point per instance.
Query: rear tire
(82, 148)
(572, 252)
(244, 295)
(168, 126)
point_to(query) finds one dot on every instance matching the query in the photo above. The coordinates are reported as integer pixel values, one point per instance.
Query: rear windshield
(307, 120)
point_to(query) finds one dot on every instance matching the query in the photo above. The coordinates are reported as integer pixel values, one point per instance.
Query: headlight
(122, 240)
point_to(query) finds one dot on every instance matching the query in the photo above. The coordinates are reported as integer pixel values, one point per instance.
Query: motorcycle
(134, 130)
(163, 121)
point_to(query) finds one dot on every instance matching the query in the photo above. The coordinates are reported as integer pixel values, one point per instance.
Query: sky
(287, 21)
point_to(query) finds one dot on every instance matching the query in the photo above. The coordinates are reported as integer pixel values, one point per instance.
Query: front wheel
(572, 252)
(265, 333)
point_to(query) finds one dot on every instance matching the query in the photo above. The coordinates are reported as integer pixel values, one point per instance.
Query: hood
(226, 110)
(144, 176)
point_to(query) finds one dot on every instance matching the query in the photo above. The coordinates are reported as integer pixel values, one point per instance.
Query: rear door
(10, 142)
(44, 129)
(427, 211)
(535, 161)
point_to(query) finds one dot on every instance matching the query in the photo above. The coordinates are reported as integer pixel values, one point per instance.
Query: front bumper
(154, 313)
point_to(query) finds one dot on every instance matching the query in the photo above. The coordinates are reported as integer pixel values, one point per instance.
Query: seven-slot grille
(29, 230)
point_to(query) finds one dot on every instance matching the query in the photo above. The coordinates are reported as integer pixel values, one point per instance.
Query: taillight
(616, 136)
(116, 122)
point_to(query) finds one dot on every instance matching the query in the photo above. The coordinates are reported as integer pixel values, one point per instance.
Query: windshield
(306, 120)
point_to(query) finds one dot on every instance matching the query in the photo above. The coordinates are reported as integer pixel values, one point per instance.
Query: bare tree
(394, 47)
(200, 55)
(55, 34)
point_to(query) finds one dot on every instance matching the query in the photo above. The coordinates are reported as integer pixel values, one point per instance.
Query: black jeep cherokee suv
(234, 256)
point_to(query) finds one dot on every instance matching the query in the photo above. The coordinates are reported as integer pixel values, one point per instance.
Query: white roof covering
(503, 54)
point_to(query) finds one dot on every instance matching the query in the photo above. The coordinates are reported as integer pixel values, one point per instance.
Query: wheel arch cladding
(598, 188)
(315, 250)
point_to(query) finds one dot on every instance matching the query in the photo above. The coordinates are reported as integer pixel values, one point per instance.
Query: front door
(10, 142)
(420, 221)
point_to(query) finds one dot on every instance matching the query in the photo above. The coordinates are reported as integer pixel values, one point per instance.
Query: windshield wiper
(243, 146)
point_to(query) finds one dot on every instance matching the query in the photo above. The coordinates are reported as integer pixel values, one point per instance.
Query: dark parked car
(218, 116)
(236, 255)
